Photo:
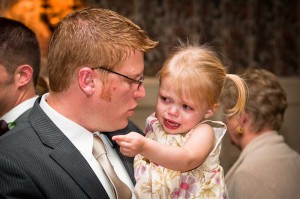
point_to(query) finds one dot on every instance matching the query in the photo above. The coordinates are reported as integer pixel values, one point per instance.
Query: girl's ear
(210, 112)
(86, 80)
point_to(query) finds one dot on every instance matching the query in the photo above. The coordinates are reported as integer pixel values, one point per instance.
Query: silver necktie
(121, 189)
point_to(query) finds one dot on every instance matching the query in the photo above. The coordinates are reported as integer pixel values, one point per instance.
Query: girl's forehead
(168, 87)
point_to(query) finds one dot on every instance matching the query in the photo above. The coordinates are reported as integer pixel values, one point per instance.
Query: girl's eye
(165, 99)
(187, 107)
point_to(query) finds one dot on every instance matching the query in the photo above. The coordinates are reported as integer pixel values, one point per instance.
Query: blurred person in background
(267, 167)
(29, 13)
(19, 70)
(41, 17)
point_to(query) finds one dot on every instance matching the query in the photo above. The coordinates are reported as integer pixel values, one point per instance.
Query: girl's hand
(131, 144)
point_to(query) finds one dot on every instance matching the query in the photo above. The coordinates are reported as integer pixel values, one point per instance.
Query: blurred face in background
(233, 123)
(8, 91)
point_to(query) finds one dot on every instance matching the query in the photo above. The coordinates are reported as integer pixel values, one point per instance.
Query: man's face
(124, 93)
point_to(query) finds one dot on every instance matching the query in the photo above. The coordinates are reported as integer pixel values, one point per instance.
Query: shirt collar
(18, 110)
(79, 136)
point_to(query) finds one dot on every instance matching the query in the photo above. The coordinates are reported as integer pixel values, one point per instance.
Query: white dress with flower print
(205, 181)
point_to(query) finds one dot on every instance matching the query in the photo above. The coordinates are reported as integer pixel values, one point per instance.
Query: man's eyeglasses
(138, 82)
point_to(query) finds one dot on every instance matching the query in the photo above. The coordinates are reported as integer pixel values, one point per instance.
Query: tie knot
(3, 127)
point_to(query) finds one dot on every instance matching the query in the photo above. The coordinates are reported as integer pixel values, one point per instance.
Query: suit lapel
(65, 154)
(69, 158)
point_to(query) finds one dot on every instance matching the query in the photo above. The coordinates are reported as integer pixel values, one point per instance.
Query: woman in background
(267, 167)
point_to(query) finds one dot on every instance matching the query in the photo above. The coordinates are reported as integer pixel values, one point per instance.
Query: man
(96, 64)
(19, 69)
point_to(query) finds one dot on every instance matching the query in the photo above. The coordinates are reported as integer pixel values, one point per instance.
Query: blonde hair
(267, 101)
(198, 72)
(92, 37)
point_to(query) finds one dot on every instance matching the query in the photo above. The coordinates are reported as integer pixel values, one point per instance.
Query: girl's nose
(173, 111)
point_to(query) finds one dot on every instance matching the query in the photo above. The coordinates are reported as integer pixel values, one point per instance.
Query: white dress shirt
(83, 141)
(18, 110)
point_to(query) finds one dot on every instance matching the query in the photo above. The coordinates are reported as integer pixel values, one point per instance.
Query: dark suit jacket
(21, 118)
(38, 161)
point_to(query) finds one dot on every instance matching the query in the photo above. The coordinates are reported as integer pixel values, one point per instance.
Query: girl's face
(177, 114)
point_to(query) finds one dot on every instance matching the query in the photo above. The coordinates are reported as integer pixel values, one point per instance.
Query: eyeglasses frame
(138, 82)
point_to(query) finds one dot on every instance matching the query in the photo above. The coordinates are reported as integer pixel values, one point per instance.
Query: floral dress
(205, 181)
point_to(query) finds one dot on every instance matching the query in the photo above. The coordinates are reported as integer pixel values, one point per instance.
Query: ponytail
(242, 88)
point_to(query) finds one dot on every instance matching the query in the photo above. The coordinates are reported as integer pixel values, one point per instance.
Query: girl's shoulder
(214, 124)
(218, 127)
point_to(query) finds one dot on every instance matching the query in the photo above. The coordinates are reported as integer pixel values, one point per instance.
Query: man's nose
(140, 93)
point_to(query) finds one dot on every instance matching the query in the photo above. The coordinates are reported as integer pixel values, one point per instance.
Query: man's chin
(122, 124)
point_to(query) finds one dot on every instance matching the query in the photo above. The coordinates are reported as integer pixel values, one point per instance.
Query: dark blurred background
(261, 33)
(248, 33)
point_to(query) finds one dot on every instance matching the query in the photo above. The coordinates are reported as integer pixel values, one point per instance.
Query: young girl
(179, 157)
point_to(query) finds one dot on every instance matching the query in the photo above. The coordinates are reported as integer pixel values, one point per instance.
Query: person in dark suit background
(96, 64)
(19, 69)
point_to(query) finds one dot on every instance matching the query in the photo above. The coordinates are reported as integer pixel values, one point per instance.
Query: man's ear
(86, 80)
(23, 75)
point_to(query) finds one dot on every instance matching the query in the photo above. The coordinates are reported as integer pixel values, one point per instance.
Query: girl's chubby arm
(185, 158)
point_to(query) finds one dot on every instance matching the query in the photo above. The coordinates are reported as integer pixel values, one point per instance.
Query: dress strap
(219, 129)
